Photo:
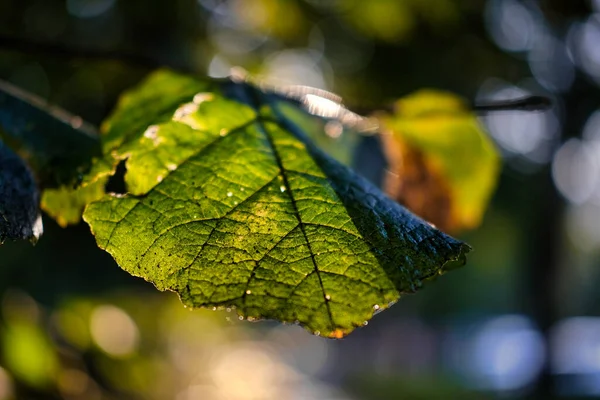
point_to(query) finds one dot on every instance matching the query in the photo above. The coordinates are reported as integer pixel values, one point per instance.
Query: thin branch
(528, 103)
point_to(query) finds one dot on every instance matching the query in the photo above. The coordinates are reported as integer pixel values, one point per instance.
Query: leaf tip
(459, 260)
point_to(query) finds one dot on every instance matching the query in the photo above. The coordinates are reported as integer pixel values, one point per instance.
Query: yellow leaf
(66, 205)
(442, 165)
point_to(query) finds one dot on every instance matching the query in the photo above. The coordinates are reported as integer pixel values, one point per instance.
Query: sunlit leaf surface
(229, 205)
(19, 198)
(443, 166)
(66, 204)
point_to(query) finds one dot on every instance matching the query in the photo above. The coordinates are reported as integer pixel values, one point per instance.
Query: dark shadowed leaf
(19, 198)
(57, 145)
(229, 205)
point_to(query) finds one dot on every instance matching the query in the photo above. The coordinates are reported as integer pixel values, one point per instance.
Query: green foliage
(454, 152)
(29, 353)
(229, 205)
(66, 205)
(153, 104)
(341, 147)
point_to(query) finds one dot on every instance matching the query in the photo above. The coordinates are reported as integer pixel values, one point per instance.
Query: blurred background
(521, 320)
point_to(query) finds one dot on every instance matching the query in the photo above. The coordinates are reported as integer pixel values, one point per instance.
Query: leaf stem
(527, 103)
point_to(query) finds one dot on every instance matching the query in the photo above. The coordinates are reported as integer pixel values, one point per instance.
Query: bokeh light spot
(114, 331)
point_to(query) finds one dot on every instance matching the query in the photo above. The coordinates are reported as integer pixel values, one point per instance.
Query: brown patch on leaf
(337, 334)
(418, 184)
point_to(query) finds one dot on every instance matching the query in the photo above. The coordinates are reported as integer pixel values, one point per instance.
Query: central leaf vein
(289, 191)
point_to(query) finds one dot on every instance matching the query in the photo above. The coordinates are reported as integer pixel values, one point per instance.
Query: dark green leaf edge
(56, 144)
(19, 199)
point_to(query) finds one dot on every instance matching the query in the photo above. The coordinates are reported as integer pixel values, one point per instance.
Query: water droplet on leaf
(151, 132)
(202, 97)
(76, 122)
(185, 110)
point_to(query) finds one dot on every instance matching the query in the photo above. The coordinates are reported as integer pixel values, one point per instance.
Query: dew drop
(214, 308)
(327, 297)
(228, 309)
(241, 317)
(223, 132)
(151, 132)
(282, 188)
(251, 319)
(366, 323)
(334, 129)
(235, 203)
(248, 291)
(185, 110)
(76, 122)
(159, 178)
(317, 333)
(202, 97)
(229, 194)
(171, 167)
(376, 307)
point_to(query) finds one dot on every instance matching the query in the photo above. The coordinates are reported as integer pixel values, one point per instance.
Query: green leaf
(229, 205)
(29, 354)
(56, 144)
(154, 102)
(66, 205)
(339, 141)
(19, 198)
(445, 166)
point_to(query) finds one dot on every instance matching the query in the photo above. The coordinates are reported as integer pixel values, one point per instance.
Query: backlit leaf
(230, 205)
(66, 205)
(443, 166)
(57, 145)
